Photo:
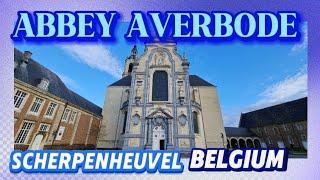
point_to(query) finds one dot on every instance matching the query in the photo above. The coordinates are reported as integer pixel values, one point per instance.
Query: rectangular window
(269, 141)
(60, 133)
(51, 109)
(290, 140)
(36, 105)
(124, 122)
(73, 116)
(66, 115)
(299, 126)
(24, 133)
(160, 86)
(285, 127)
(18, 98)
(44, 127)
(195, 122)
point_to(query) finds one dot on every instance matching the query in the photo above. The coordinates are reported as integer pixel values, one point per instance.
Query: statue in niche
(159, 59)
(182, 119)
(138, 91)
(138, 95)
(127, 94)
(181, 95)
(181, 92)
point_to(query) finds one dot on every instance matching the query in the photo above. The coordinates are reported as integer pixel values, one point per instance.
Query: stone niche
(184, 143)
(134, 142)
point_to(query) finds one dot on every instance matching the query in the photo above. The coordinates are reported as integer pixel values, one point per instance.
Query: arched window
(195, 122)
(130, 68)
(160, 86)
(124, 122)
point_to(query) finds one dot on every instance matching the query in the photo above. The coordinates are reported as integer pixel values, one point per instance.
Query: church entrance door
(158, 138)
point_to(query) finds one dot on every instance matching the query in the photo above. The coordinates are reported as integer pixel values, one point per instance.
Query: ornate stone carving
(182, 120)
(138, 92)
(160, 60)
(136, 119)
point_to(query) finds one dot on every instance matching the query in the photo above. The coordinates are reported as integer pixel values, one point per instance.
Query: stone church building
(158, 105)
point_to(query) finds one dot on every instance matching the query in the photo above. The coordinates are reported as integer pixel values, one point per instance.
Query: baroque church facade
(158, 105)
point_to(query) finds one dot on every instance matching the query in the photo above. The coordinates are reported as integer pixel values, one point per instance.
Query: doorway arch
(250, 143)
(256, 143)
(234, 143)
(242, 143)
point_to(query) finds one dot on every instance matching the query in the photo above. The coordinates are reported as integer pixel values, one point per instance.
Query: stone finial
(134, 52)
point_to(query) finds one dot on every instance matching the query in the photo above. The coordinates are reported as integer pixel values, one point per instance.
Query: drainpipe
(56, 132)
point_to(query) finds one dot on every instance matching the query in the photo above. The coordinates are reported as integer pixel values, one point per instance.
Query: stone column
(149, 134)
(170, 145)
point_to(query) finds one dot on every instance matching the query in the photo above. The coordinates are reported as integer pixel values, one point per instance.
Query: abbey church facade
(158, 105)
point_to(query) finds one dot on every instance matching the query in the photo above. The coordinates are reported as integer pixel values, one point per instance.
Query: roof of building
(198, 81)
(125, 81)
(194, 81)
(238, 132)
(34, 72)
(292, 111)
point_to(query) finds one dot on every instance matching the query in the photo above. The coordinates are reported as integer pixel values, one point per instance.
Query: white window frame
(73, 116)
(299, 127)
(26, 136)
(44, 84)
(269, 141)
(275, 130)
(52, 111)
(39, 108)
(66, 115)
(60, 130)
(22, 102)
(44, 124)
(265, 130)
(290, 140)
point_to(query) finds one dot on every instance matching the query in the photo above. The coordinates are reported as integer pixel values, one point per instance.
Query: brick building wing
(47, 114)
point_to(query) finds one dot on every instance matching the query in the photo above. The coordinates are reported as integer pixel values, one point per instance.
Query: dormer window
(44, 84)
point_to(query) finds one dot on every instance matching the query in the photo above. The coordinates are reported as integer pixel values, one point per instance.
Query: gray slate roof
(194, 81)
(33, 74)
(292, 111)
(238, 132)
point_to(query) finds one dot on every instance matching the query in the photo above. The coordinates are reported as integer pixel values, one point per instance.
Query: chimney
(25, 59)
(27, 55)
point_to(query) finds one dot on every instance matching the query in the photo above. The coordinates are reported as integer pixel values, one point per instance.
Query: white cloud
(72, 84)
(304, 44)
(231, 118)
(96, 56)
(292, 87)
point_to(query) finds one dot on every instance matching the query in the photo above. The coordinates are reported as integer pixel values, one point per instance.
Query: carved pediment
(160, 60)
(159, 113)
